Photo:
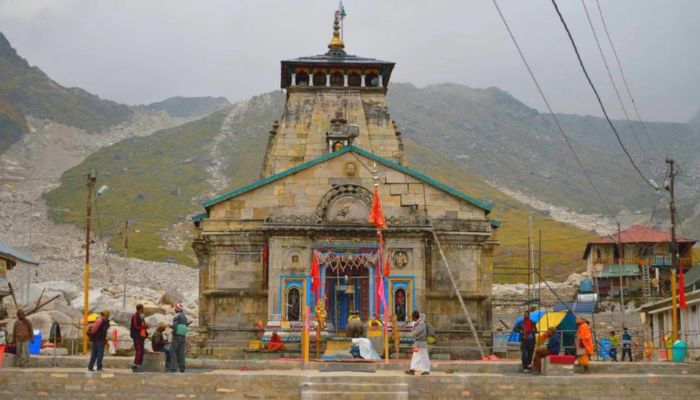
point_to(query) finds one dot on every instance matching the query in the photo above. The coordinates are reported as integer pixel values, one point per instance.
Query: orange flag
(375, 213)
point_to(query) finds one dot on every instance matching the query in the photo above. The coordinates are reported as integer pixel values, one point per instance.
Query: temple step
(342, 391)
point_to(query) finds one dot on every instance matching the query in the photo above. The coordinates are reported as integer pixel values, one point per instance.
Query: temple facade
(334, 144)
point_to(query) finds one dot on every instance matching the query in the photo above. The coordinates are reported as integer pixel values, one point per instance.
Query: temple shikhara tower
(334, 144)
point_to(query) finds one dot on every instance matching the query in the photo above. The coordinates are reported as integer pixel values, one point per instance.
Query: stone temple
(332, 146)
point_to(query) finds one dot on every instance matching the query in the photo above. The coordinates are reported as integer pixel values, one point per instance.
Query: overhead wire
(624, 80)
(551, 112)
(614, 85)
(600, 102)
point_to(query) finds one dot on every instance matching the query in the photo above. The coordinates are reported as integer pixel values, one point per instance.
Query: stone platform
(76, 384)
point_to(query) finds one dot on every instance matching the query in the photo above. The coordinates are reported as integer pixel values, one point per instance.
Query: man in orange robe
(584, 343)
(275, 343)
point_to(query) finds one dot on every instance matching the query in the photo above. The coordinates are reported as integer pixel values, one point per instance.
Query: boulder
(155, 319)
(151, 308)
(69, 290)
(125, 345)
(172, 297)
(70, 328)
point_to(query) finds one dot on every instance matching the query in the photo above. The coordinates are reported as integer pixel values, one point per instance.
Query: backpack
(430, 334)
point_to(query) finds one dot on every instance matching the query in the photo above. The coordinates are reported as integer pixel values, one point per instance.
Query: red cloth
(556, 359)
(315, 276)
(375, 213)
(681, 290)
(275, 343)
(387, 264)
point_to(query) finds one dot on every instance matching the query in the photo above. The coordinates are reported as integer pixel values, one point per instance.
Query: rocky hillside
(519, 150)
(158, 180)
(187, 107)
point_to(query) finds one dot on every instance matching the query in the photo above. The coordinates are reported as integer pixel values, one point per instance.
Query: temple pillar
(381, 81)
(328, 80)
(362, 80)
(311, 79)
(345, 80)
(294, 79)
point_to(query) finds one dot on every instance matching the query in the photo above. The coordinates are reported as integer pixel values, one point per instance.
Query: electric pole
(620, 257)
(674, 248)
(126, 259)
(91, 179)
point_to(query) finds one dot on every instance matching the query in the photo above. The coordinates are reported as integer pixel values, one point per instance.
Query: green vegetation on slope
(562, 245)
(157, 181)
(152, 181)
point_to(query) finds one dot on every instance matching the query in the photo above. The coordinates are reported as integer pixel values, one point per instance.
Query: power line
(600, 102)
(617, 92)
(551, 111)
(624, 80)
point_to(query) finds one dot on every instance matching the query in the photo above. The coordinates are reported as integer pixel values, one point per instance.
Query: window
(354, 79)
(319, 79)
(337, 79)
(372, 80)
(302, 79)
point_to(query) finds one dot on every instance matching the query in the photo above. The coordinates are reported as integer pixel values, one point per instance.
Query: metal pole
(126, 260)
(674, 250)
(91, 178)
(529, 258)
(539, 273)
(619, 266)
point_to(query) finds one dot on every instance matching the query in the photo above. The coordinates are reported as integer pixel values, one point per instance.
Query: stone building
(334, 143)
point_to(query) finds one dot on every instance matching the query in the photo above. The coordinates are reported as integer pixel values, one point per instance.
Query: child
(614, 345)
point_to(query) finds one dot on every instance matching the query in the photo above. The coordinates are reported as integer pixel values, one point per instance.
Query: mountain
(157, 181)
(186, 107)
(519, 149)
(31, 92)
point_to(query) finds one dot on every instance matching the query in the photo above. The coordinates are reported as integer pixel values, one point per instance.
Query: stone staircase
(368, 388)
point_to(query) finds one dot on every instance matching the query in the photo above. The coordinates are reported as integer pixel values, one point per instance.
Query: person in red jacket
(138, 334)
(98, 337)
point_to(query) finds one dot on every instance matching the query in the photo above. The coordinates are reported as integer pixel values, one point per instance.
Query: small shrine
(296, 248)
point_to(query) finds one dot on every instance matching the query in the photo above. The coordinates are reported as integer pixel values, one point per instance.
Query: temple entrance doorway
(348, 288)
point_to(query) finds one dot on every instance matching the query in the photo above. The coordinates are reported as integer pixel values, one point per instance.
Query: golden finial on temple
(336, 42)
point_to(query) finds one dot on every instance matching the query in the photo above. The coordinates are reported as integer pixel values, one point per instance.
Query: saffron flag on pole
(681, 290)
(315, 276)
(375, 213)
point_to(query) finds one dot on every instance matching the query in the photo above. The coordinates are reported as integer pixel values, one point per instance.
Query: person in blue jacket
(552, 348)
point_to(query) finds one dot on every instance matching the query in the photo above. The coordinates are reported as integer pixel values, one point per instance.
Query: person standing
(177, 348)
(552, 348)
(626, 344)
(420, 360)
(584, 343)
(527, 330)
(160, 344)
(138, 334)
(22, 333)
(614, 345)
(98, 337)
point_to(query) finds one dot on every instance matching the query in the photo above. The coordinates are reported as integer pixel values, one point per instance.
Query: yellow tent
(564, 321)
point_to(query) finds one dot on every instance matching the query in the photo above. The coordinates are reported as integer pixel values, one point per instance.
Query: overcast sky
(140, 51)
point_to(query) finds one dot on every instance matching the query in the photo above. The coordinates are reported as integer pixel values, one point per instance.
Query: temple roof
(388, 163)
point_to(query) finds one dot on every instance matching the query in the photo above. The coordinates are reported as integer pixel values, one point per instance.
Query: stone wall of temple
(301, 135)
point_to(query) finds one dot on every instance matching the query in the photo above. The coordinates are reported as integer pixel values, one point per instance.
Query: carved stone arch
(345, 204)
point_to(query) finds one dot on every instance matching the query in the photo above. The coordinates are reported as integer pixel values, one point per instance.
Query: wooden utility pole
(126, 260)
(674, 249)
(91, 179)
(529, 260)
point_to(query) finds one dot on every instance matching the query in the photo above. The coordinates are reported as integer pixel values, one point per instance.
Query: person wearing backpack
(177, 347)
(138, 335)
(98, 336)
(420, 361)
